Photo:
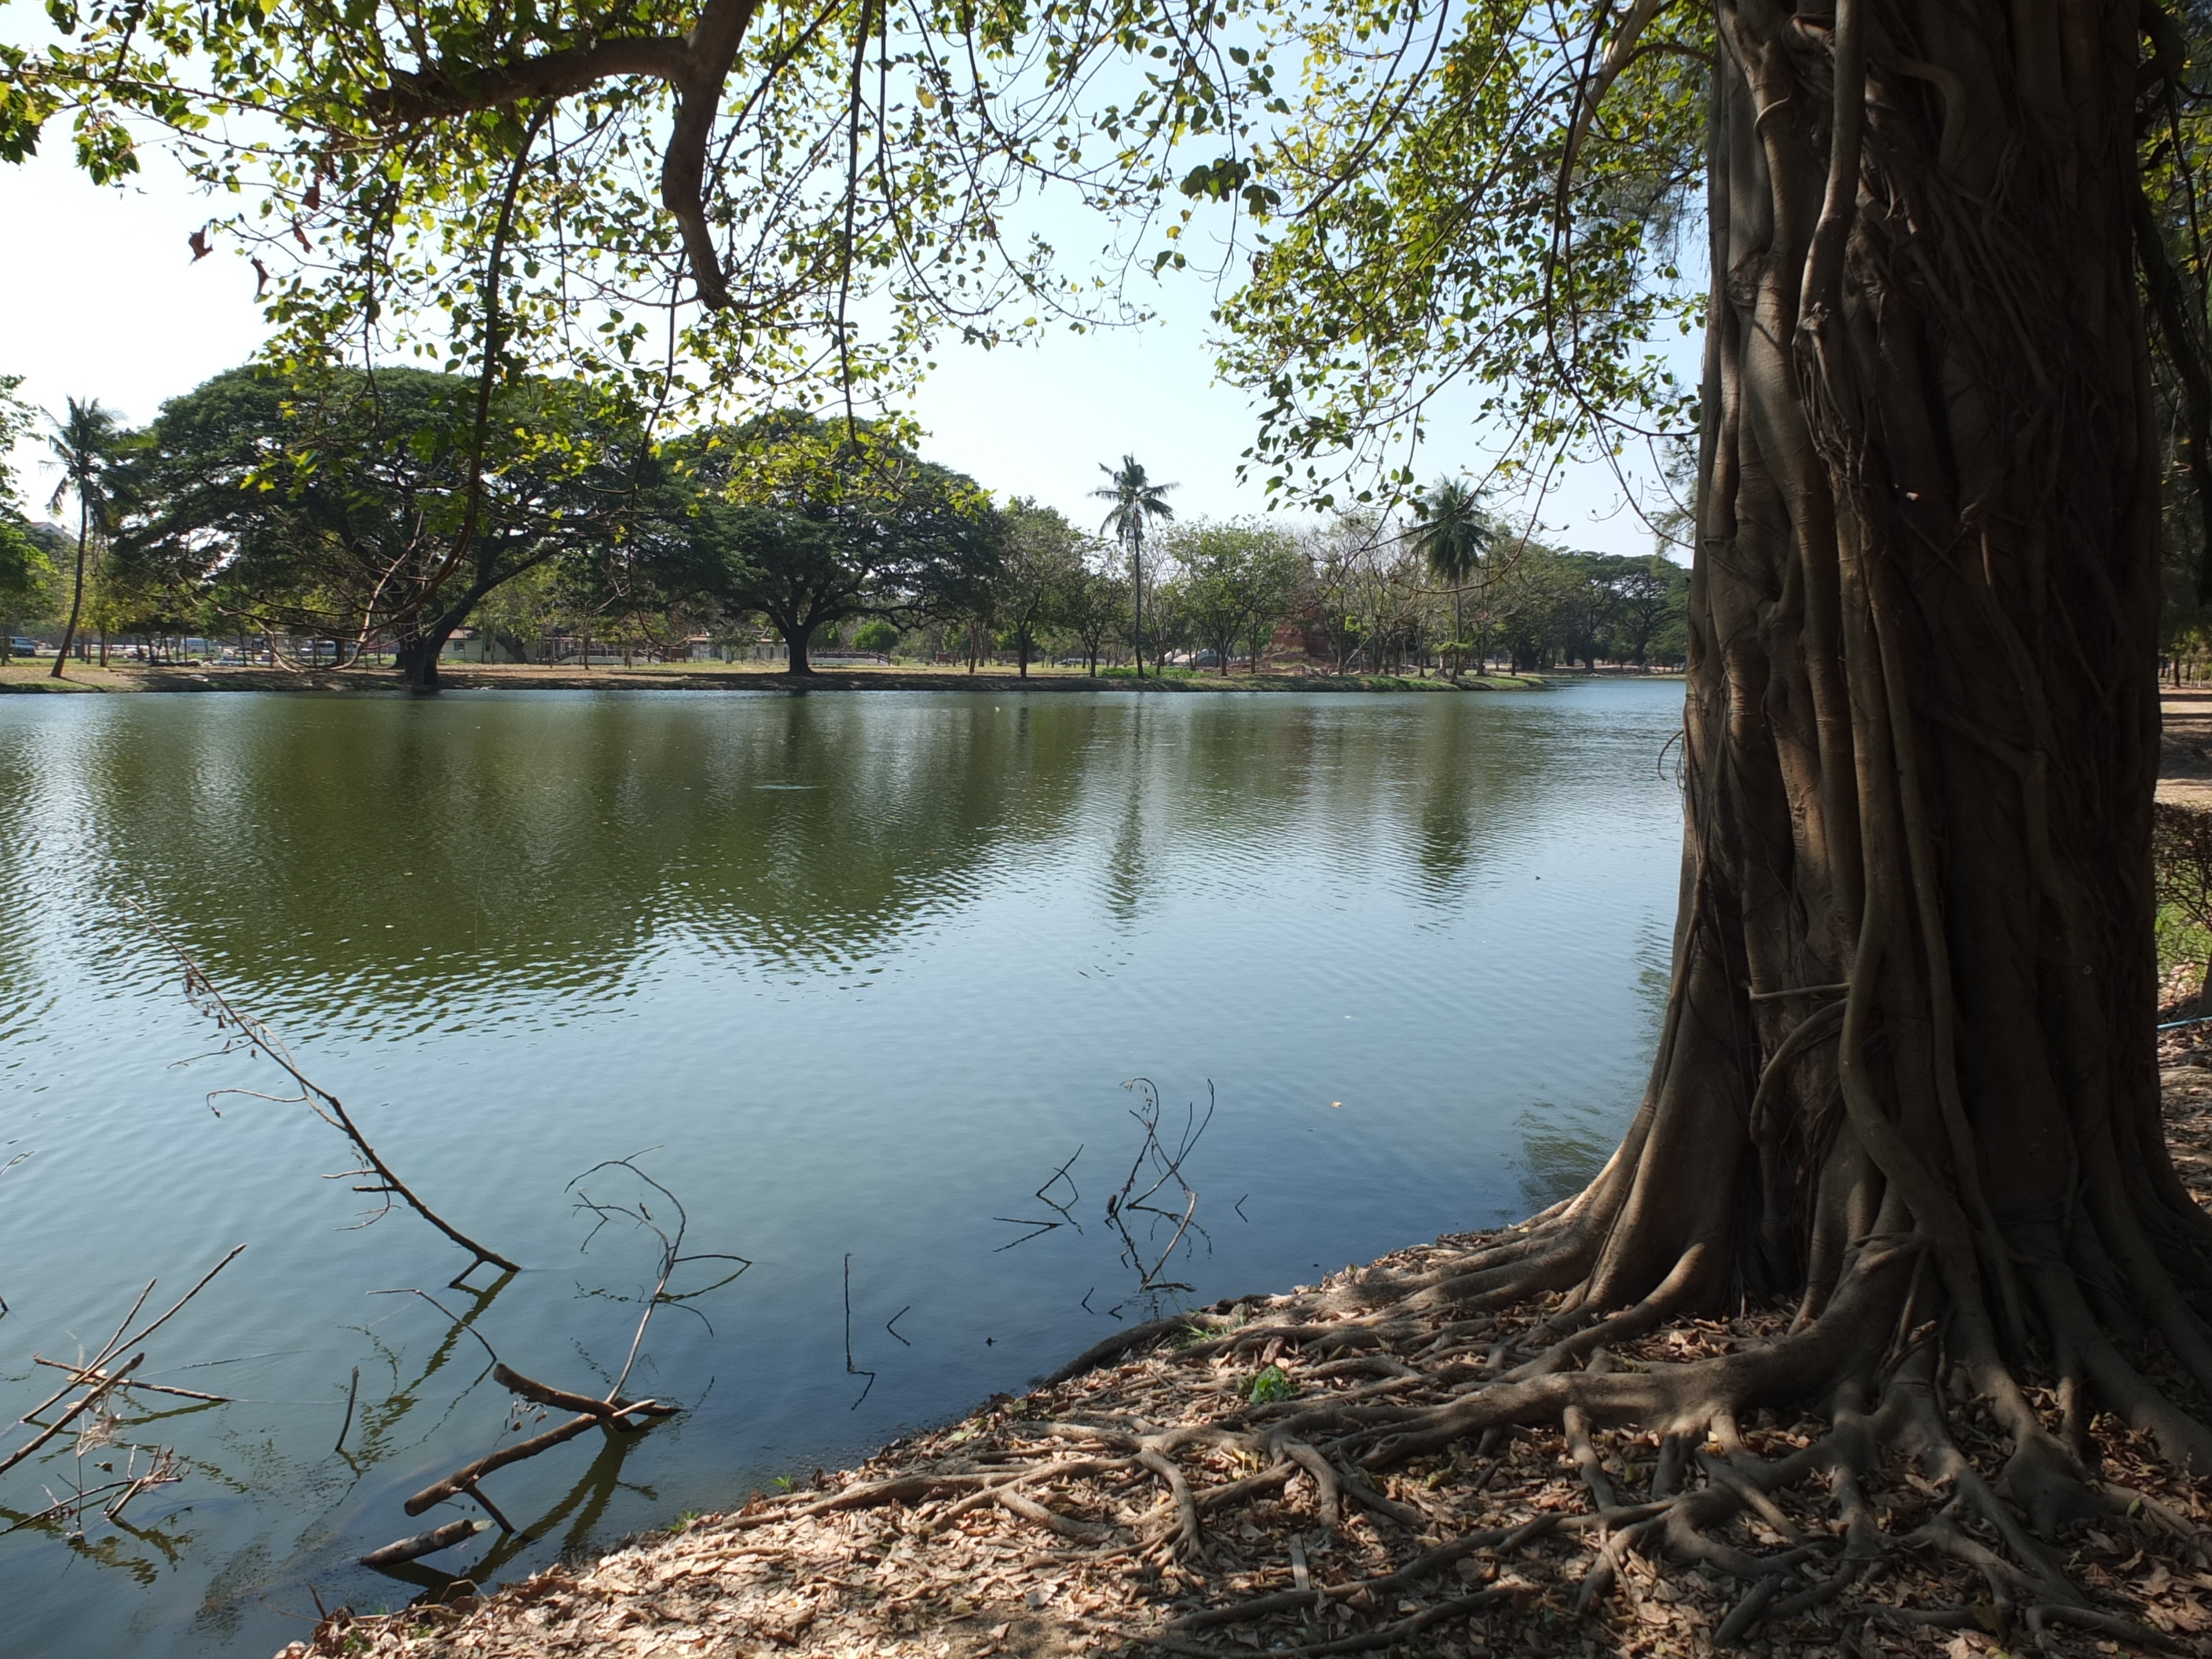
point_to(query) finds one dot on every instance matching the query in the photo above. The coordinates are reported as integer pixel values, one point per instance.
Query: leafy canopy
(812, 523)
(746, 198)
(337, 503)
(739, 203)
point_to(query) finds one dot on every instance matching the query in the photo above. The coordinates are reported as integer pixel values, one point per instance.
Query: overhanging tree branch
(440, 90)
(697, 67)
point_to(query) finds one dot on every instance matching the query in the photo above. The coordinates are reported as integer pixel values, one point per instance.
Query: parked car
(23, 648)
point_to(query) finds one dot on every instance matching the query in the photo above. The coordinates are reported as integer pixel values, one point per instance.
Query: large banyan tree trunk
(1910, 1021)
(1907, 1082)
(1913, 966)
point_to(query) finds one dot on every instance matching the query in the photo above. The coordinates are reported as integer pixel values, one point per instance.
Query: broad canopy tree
(1238, 580)
(812, 523)
(1095, 607)
(1039, 568)
(335, 505)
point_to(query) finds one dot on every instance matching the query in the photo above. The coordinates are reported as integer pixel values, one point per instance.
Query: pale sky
(101, 299)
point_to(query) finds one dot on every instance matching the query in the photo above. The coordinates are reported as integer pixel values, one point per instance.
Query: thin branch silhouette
(851, 1370)
(243, 1030)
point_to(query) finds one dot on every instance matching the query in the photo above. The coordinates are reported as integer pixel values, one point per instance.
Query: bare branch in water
(1065, 1210)
(164, 1470)
(110, 1377)
(671, 1249)
(5, 1168)
(80, 1373)
(422, 1544)
(612, 1411)
(104, 1377)
(851, 1370)
(353, 1393)
(1154, 1159)
(244, 1030)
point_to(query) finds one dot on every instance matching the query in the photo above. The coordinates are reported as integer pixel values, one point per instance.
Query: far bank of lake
(36, 675)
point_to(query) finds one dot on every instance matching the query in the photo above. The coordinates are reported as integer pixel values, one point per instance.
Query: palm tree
(84, 447)
(1137, 501)
(1454, 534)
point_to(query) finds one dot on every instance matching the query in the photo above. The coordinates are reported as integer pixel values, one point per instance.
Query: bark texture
(1913, 964)
(1913, 970)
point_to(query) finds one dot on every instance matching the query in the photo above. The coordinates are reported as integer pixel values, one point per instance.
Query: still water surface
(861, 970)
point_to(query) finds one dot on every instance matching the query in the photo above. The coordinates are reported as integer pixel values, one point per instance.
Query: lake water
(853, 974)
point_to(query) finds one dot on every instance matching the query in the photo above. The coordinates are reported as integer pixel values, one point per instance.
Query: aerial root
(1010, 1498)
(1328, 1502)
(2103, 1624)
(2035, 1619)
(1188, 1539)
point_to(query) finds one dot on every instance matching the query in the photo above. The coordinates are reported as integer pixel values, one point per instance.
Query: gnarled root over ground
(1368, 1467)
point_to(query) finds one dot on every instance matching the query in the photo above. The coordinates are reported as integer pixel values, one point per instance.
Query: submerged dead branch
(1163, 1167)
(612, 1411)
(422, 1544)
(244, 1031)
(5, 1168)
(851, 1370)
(102, 1376)
(87, 1373)
(1133, 1214)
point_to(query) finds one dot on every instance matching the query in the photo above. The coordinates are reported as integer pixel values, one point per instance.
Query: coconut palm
(1454, 532)
(84, 447)
(1137, 500)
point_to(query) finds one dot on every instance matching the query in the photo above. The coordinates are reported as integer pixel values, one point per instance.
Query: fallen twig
(76, 1408)
(162, 1474)
(612, 1411)
(353, 1392)
(86, 1374)
(544, 1394)
(672, 1251)
(467, 1476)
(101, 1366)
(851, 1370)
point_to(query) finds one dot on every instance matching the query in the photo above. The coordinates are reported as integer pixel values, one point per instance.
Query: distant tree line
(352, 516)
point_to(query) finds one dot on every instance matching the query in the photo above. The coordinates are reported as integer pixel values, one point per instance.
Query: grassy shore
(36, 676)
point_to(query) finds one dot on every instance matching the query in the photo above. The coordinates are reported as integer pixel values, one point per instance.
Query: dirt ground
(2185, 761)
